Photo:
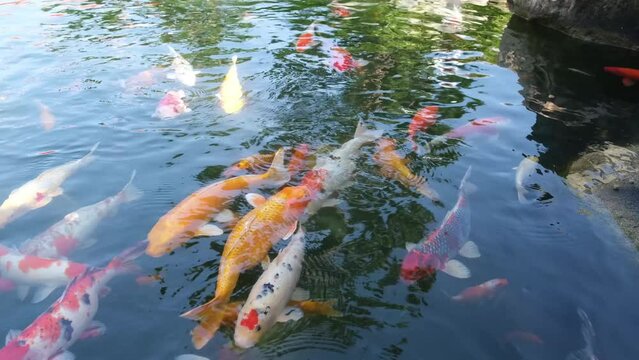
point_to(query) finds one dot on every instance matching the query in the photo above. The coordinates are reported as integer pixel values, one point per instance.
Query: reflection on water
(81, 72)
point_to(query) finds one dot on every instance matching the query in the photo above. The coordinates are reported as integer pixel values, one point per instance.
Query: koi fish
(46, 117)
(525, 336)
(449, 240)
(306, 39)
(140, 80)
(266, 303)
(298, 158)
(171, 105)
(525, 169)
(251, 163)
(588, 333)
(45, 274)
(191, 217)
(182, 69)
(40, 191)
(629, 76)
(342, 60)
(339, 166)
(481, 291)
(422, 120)
(231, 95)
(487, 126)
(340, 10)
(70, 318)
(248, 245)
(75, 230)
(394, 167)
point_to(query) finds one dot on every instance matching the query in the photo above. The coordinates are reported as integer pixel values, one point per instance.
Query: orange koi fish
(422, 120)
(250, 163)
(306, 39)
(190, 218)
(394, 166)
(484, 290)
(629, 76)
(248, 245)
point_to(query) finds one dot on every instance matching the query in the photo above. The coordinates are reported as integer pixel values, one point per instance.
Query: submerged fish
(339, 166)
(266, 303)
(394, 166)
(171, 105)
(524, 336)
(140, 80)
(46, 117)
(588, 333)
(342, 60)
(445, 243)
(484, 290)
(306, 39)
(191, 216)
(231, 94)
(40, 191)
(76, 229)
(248, 244)
(250, 163)
(486, 126)
(423, 119)
(525, 170)
(27, 271)
(69, 319)
(182, 69)
(629, 76)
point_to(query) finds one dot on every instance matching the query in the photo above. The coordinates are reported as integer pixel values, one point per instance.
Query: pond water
(471, 60)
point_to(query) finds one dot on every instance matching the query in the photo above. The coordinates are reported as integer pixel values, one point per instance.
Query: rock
(611, 22)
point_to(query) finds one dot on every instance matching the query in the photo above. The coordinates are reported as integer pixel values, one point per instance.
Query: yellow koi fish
(394, 166)
(191, 217)
(231, 95)
(248, 245)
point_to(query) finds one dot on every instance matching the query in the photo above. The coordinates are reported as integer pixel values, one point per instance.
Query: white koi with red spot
(266, 303)
(45, 274)
(75, 230)
(70, 318)
(40, 191)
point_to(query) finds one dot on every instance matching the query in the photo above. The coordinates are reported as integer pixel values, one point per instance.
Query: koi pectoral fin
(290, 313)
(209, 230)
(42, 293)
(95, 329)
(23, 291)
(11, 334)
(469, 250)
(456, 269)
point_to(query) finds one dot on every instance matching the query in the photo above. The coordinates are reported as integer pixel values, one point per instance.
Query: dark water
(557, 254)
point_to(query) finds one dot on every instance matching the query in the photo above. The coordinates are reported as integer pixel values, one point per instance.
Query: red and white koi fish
(182, 69)
(70, 318)
(342, 60)
(422, 120)
(40, 191)
(482, 291)
(449, 240)
(140, 80)
(306, 39)
(27, 271)
(75, 230)
(171, 105)
(267, 301)
(486, 126)
(629, 76)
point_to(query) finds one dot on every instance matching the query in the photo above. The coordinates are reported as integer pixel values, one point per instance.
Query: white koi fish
(340, 166)
(231, 94)
(70, 318)
(525, 169)
(182, 70)
(75, 230)
(588, 333)
(40, 191)
(27, 271)
(268, 299)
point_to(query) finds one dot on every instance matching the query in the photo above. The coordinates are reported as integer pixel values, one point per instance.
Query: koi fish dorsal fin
(129, 192)
(278, 174)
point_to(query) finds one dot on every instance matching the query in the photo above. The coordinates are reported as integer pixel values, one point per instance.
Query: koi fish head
(15, 350)
(163, 239)
(417, 265)
(249, 330)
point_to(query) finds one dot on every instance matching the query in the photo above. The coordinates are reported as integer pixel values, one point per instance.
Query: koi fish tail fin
(367, 134)
(130, 192)
(124, 262)
(466, 187)
(588, 333)
(89, 157)
(172, 51)
(278, 174)
(210, 317)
